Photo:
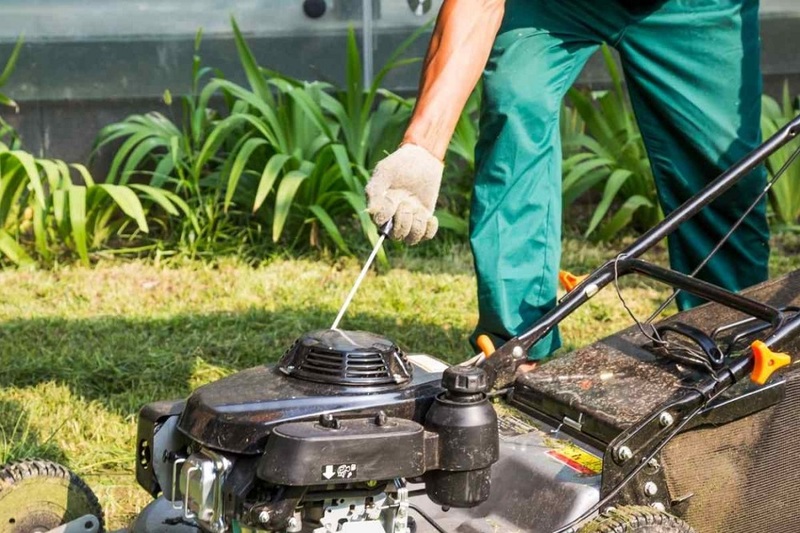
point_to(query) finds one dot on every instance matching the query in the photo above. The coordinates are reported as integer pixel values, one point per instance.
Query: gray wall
(87, 63)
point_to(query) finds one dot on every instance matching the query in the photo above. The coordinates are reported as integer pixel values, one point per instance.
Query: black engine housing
(337, 405)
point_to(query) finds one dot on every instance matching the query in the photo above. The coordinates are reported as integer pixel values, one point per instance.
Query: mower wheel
(636, 519)
(37, 496)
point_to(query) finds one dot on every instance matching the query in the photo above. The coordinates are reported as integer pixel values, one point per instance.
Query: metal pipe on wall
(368, 44)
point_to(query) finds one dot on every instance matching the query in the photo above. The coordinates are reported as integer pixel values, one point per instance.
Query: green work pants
(692, 70)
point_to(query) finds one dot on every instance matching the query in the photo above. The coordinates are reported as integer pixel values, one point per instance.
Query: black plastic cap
(314, 8)
(465, 380)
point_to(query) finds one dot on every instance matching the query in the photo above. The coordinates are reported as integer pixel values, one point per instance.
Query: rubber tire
(41, 495)
(635, 519)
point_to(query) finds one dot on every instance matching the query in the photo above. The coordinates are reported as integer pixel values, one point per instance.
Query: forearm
(459, 49)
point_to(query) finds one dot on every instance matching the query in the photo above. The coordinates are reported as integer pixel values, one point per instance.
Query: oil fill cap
(465, 380)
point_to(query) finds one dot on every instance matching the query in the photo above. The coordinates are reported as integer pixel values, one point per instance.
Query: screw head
(624, 453)
(665, 419)
(653, 463)
(517, 352)
(650, 488)
(658, 506)
(292, 523)
(263, 517)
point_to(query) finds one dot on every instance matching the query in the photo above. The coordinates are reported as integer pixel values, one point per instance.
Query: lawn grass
(83, 348)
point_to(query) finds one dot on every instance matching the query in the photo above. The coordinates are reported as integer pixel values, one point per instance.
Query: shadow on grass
(18, 440)
(124, 363)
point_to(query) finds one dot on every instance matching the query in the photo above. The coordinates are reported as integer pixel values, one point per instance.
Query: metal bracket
(577, 425)
(85, 524)
(401, 513)
(175, 483)
(649, 487)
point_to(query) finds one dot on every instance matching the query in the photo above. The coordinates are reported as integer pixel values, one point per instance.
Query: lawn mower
(683, 425)
(676, 426)
(673, 427)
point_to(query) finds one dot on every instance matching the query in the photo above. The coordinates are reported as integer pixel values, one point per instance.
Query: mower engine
(322, 442)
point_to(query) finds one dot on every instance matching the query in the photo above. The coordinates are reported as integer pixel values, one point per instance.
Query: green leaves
(603, 147)
(8, 69)
(286, 157)
(784, 197)
(43, 204)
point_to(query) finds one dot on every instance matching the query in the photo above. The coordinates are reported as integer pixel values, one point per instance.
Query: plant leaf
(239, 164)
(613, 185)
(13, 251)
(283, 200)
(623, 217)
(453, 222)
(128, 202)
(330, 227)
(270, 173)
(77, 221)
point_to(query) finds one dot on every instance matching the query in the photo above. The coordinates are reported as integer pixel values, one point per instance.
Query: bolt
(653, 463)
(517, 352)
(328, 421)
(263, 517)
(658, 506)
(665, 419)
(650, 488)
(292, 523)
(591, 290)
(624, 453)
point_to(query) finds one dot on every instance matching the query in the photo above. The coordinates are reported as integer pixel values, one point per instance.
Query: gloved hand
(405, 186)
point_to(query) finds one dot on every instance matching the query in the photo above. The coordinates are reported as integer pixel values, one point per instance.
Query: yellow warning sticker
(577, 459)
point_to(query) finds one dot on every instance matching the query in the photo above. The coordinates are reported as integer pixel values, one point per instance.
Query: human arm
(458, 51)
(405, 185)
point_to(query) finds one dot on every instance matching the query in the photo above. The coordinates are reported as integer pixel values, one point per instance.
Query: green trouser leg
(695, 83)
(539, 51)
(515, 218)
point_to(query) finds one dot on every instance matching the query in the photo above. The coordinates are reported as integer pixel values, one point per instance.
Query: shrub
(284, 158)
(48, 208)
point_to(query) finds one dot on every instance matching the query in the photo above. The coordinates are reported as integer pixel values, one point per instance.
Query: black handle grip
(699, 337)
(386, 228)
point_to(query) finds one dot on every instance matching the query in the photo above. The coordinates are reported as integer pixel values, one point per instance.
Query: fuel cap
(465, 380)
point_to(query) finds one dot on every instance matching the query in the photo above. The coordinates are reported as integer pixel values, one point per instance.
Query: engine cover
(236, 414)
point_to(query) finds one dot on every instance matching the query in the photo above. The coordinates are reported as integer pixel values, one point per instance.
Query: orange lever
(486, 345)
(766, 362)
(569, 280)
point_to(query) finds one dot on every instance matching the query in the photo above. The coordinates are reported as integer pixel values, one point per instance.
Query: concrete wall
(89, 63)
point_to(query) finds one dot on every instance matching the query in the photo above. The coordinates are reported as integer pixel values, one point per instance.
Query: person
(693, 75)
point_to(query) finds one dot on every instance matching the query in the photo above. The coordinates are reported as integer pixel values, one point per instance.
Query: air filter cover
(351, 358)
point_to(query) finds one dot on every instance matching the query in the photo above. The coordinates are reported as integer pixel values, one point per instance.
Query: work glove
(404, 187)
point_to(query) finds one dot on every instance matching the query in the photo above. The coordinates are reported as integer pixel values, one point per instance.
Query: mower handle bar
(502, 364)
